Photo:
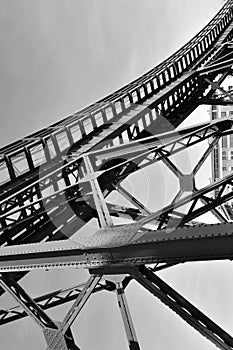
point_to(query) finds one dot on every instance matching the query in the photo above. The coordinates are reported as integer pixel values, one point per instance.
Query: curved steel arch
(84, 157)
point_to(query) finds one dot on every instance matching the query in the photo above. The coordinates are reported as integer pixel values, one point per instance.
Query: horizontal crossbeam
(204, 242)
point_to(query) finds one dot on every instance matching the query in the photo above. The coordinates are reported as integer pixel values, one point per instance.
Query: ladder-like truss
(57, 180)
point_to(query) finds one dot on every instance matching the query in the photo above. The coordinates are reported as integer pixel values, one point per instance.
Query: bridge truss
(59, 179)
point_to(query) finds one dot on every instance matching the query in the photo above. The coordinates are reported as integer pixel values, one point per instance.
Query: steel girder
(53, 299)
(63, 296)
(169, 297)
(158, 101)
(193, 55)
(65, 341)
(54, 338)
(183, 308)
(176, 302)
(133, 246)
(142, 153)
(179, 89)
(126, 317)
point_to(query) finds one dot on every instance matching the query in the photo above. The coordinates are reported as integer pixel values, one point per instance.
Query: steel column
(126, 317)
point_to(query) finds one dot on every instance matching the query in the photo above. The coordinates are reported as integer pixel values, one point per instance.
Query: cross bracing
(58, 179)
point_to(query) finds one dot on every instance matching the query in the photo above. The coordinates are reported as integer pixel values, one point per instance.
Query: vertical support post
(126, 317)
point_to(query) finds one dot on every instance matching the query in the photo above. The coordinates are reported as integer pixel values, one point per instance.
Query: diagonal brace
(38, 315)
(182, 307)
(73, 312)
(28, 304)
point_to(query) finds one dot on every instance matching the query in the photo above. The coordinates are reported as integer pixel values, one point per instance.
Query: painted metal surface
(56, 180)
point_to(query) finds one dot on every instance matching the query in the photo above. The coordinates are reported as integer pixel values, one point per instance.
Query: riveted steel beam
(181, 306)
(55, 339)
(48, 325)
(126, 317)
(50, 300)
(28, 304)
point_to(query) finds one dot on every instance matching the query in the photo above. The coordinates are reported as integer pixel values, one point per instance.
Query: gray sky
(58, 56)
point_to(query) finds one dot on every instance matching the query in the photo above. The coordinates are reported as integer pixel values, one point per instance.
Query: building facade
(222, 154)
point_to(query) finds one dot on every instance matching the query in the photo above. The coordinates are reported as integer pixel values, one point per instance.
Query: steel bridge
(56, 181)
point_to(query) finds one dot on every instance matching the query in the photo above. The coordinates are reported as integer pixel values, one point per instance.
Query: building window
(231, 112)
(232, 168)
(231, 140)
(224, 168)
(216, 164)
(231, 155)
(224, 142)
(224, 155)
(214, 115)
(223, 114)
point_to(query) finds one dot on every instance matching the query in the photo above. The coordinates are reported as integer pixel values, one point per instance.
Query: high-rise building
(222, 154)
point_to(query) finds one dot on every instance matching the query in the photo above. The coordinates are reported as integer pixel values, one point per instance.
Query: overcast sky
(57, 56)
